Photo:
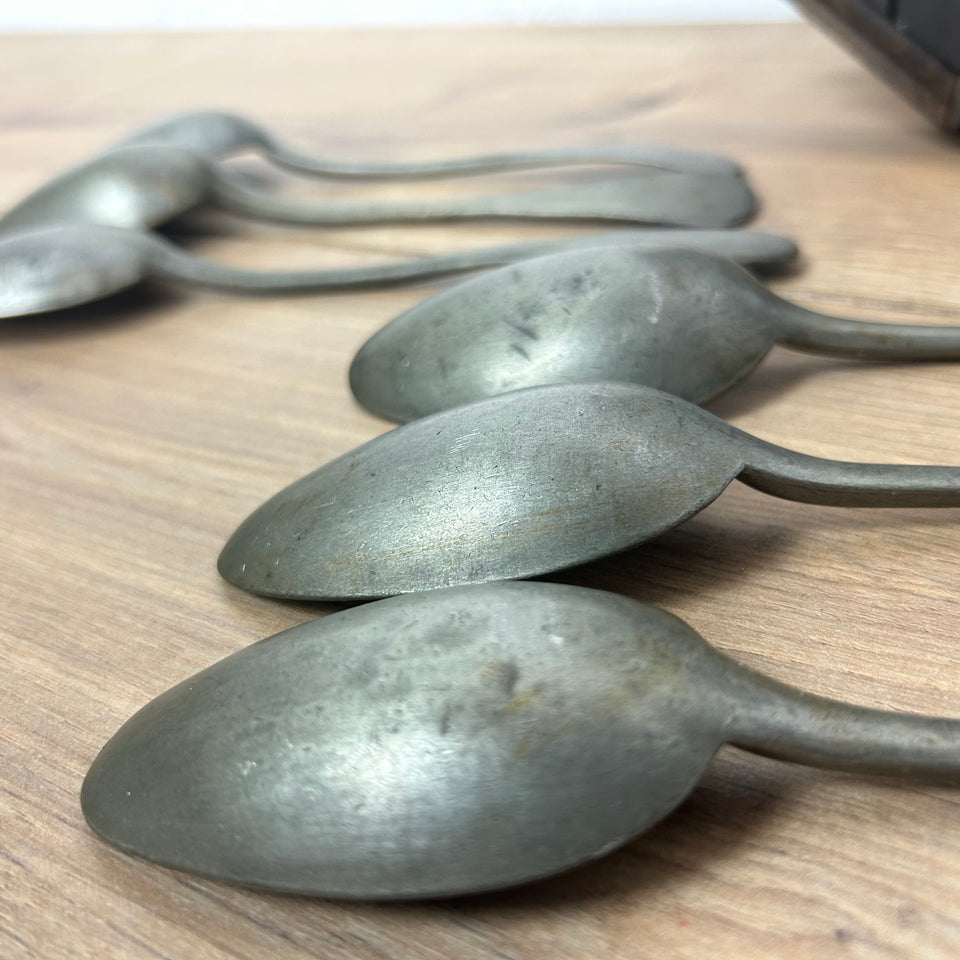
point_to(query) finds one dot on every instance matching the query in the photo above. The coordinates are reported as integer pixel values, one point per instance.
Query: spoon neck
(785, 723)
(805, 479)
(866, 340)
(292, 159)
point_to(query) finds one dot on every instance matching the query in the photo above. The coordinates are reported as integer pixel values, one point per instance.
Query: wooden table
(136, 433)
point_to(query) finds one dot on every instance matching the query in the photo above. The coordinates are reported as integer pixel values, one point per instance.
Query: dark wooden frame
(896, 57)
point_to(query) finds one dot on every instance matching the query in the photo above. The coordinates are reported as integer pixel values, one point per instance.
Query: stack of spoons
(459, 740)
(473, 750)
(85, 234)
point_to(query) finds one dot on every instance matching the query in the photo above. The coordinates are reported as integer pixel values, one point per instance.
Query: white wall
(60, 15)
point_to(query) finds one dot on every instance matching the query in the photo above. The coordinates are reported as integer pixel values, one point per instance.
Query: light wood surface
(135, 434)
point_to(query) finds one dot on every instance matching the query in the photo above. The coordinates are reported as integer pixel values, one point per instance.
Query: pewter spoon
(70, 264)
(458, 741)
(215, 133)
(526, 483)
(683, 321)
(143, 186)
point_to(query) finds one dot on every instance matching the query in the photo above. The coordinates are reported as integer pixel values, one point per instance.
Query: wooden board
(135, 434)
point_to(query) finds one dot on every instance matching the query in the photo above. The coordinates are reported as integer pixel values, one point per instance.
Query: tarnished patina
(459, 741)
(680, 320)
(526, 483)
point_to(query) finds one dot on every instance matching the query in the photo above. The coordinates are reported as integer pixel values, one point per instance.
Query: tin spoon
(143, 186)
(216, 134)
(527, 483)
(69, 264)
(683, 321)
(457, 741)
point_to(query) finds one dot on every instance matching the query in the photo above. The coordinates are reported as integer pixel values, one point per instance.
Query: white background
(60, 15)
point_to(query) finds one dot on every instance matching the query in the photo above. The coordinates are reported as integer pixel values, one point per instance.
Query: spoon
(683, 321)
(526, 483)
(143, 186)
(70, 264)
(459, 741)
(215, 134)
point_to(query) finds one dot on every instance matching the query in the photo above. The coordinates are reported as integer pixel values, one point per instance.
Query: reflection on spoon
(67, 265)
(526, 483)
(143, 186)
(457, 741)
(685, 322)
(215, 133)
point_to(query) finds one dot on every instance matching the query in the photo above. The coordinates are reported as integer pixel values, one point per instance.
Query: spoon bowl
(458, 741)
(213, 134)
(526, 483)
(136, 187)
(47, 270)
(683, 321)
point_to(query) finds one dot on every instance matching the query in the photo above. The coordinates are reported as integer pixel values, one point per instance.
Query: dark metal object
(683, 321)
(912, 44)
(215, 134)
(526, 483)
(144, 186)
(63, 266)
(934, 25)
(458, 741)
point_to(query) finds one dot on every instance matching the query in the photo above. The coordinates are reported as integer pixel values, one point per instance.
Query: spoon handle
(167, 262)
(819, 333)
(682, 199)
(745, 246)
(663, 158)
(805, 479)
(780, 721)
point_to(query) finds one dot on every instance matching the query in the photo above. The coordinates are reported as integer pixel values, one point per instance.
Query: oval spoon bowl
(684, 321)
(526, 483)
(457, 741)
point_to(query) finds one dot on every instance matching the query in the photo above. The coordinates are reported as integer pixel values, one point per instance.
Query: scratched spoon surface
(216, 134)
(146, 185)
(70, 264)
(683, 321)
(526, 483)
(458, 741)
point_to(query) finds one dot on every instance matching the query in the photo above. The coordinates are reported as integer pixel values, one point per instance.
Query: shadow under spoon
(67, 265)
(143, 186)
(215, 134)
(459, 741)
(686, 322)
(527, 483)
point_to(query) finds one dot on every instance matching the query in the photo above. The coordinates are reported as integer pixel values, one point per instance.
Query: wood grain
(136, 433)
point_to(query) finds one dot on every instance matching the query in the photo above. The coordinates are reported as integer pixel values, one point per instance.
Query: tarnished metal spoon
(143, 186)
(683, 321)
(67, 265)
(458, 741)
(526, 483)
(215, 134)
